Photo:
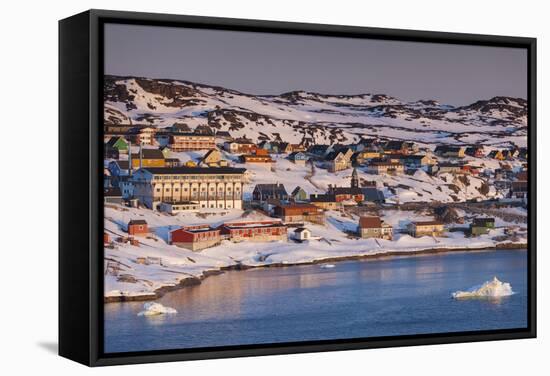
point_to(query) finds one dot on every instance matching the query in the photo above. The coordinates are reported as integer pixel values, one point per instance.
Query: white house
(302, 233)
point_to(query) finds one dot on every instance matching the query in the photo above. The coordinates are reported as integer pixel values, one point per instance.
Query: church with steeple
(353, 192)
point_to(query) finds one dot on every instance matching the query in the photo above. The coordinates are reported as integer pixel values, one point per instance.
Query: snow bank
(490, 289)
(153, 309)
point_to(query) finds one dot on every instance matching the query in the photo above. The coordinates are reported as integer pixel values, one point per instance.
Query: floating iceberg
(327, 266)
(490, 289)
(153, 309)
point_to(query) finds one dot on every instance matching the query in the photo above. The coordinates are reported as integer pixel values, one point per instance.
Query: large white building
(211, 187)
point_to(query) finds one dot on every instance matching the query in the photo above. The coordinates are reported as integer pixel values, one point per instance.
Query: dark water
(394, 296)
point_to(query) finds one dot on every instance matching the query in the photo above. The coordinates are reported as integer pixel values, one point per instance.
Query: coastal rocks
(490, 289)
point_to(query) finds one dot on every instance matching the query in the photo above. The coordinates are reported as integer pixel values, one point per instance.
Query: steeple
(354, 179)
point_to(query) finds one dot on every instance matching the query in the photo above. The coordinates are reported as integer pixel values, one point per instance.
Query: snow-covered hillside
(316, 118)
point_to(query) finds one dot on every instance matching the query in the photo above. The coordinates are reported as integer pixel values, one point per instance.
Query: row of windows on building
(212, 189)
(197, 177)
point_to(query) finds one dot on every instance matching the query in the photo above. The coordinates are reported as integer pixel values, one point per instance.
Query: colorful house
(374, 227)
(148, 158)
(298, 158)
(212, 158)
(299, 213)
(255, 231)
(337, 161)
(497, 154)
(240, 146)
(325, 201)
(475, 151)
(263, 192)
(138, 227)
(385, 166)
(481, 226)
(195, 238)
(426, 228)
(302, 234)
(260, 156)
(299, 194)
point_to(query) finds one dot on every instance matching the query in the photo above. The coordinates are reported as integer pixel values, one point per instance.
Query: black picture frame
(80, 156)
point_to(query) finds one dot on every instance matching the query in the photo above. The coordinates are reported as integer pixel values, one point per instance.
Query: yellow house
(148, 158)
(212, 158)
(426, 228)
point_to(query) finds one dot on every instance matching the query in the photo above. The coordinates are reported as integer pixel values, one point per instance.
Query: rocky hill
(313, 117)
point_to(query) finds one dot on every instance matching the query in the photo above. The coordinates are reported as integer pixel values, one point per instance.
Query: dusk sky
(261, 63)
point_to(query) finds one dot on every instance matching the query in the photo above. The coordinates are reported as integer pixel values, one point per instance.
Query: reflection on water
(407, 295)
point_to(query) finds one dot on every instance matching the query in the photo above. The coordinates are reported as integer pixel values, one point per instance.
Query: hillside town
(181, 201)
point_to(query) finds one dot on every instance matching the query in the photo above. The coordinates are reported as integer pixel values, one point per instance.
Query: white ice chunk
(327, 266)
(490, 289)
(153, 309)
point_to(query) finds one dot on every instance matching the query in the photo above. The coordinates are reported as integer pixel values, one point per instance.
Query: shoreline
(194, 281)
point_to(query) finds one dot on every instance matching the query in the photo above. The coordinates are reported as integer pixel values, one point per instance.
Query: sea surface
(353, 299)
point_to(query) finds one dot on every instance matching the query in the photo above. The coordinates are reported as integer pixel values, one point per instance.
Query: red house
(260, 231)
(138, 227)
(106, 238)
(195, 238)
(298, 213)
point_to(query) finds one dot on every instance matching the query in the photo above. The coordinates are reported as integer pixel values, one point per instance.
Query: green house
(481, 226)
(118, 143)
(298, 194)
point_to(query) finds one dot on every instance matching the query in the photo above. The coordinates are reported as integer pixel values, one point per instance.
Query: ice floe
(153, 309)
(490, 289)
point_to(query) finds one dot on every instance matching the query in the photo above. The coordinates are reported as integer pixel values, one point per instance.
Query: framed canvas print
(237, 187)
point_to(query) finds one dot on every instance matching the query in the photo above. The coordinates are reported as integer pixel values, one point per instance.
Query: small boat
(327, 266)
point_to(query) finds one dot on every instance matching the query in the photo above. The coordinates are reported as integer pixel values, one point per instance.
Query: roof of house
(194, 170)
(273, 188)
(223, 134)
(319, 149)
(149, 154)
(448, 148)
(372, 194)
(137, 222)
(210, 152)
(472, 148)
(482, 221)
(112, 192)
(242, 141)
(300, 230)
(333, 155)
(295, 154)
(370, 222)
(298, 207)
(427, 223)
(346, 191)
(322, 198)
(253, 224)
(414, 157)
(395, 145)
(113, 140)
(181, 127)
(297, 190)
(122, 164)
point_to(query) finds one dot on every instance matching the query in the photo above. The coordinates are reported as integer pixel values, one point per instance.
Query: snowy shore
(188, 280)
(154, 267)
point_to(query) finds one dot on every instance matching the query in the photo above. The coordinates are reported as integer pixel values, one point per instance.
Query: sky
(268, 63)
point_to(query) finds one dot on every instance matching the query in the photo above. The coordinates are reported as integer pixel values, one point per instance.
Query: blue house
(298, 158)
